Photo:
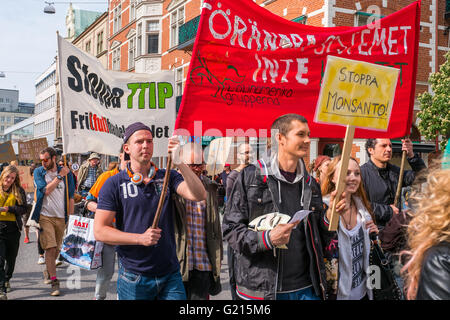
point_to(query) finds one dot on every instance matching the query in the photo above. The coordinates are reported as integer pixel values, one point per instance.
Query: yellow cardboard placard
(356, 93)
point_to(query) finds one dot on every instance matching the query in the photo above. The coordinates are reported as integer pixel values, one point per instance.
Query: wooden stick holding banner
(355, 94)
(163, 192)
(67, 186)
(345, 157)
(400, 179)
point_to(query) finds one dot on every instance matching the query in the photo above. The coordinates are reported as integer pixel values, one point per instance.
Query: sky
(28, 43)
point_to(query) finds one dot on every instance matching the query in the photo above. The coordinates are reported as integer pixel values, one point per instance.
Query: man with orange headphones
(148, 264)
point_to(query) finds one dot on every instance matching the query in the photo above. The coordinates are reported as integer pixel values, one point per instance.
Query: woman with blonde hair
(13, 205)
(347, 252)
(428, 268)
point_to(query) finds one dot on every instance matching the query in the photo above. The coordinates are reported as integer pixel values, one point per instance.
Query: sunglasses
(46, 160)
(196, 165)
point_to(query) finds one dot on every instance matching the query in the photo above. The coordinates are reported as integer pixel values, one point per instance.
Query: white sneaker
(41, 260)
(60, 263)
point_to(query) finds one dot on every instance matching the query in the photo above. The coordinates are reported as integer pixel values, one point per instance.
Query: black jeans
(230, 255)
(9, 247)
(197, 287)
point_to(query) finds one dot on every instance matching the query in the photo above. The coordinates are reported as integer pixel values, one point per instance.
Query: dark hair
(370, 143)
(50, 151)
(283, 123)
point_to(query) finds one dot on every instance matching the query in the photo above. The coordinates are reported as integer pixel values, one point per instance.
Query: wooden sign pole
(350, 133)
(400, 179)
(163, 193)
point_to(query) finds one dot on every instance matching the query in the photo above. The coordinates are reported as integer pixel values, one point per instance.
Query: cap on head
(320, 159)
(132, 128)
(94, 156)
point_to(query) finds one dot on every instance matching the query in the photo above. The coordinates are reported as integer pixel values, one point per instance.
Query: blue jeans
(304, 294)
(133, 286)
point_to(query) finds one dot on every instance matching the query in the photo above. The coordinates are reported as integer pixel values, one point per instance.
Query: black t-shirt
(294, 268)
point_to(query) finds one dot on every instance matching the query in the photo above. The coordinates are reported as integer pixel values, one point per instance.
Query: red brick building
(147, 36)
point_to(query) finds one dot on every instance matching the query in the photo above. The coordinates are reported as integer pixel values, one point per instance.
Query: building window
(302, 19)
(152, 35)
(176, 20)
(117, 22)
(116, 59)
(362, 18)
(139, 39)
(99, 42)
(179, 81)
(88, 47)
(132, 10)
(131, 52)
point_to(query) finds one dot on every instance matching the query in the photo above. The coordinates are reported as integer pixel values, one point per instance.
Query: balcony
(187, 34)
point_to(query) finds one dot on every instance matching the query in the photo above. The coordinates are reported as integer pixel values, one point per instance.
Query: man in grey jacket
(277, 184)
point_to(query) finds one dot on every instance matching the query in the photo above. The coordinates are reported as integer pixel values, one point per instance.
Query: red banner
(250, 66)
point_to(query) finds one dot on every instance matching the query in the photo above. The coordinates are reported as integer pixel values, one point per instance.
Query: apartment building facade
(46, 102)
(12, 111)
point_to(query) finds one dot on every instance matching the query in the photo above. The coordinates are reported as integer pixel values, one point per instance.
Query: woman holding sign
(13, 205)
(347, 252)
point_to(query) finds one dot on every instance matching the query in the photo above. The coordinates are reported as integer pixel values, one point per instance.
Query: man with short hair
(198, 233)
(381, 178)
(88, 174)
(278, 184)
(148, 264)
(52, 210)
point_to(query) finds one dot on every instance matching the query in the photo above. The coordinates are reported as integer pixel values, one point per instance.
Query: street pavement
(76, 283)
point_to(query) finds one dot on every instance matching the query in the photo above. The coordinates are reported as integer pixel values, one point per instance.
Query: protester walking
(88, 174)
(148, 264)
(428, 267)
(52, 209)
(244, 158)
(106, 271)
(319, 167)
(13, 205)
(198, 233)
(381, 178)
(347, 251)
(278, 184)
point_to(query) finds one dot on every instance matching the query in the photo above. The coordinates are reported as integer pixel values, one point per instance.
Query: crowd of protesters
(182, 256)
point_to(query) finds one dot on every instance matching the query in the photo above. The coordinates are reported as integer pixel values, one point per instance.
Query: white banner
(97, 104)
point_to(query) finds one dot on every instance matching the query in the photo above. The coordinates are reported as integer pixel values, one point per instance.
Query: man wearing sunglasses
(51, 211)
(198, 233)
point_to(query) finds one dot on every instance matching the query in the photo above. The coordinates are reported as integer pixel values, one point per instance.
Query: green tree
(434, 111)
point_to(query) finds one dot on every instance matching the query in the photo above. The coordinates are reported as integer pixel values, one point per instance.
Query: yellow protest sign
(356, 93)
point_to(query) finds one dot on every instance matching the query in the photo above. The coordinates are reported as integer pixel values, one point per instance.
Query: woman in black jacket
(428, 269)
(13, 205)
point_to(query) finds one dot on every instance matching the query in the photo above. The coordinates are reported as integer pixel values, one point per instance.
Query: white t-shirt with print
(53, 203)
(356, 235)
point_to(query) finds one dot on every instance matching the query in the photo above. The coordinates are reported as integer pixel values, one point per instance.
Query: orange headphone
(137, 178)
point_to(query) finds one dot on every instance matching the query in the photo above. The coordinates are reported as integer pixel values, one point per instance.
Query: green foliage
(434, 112)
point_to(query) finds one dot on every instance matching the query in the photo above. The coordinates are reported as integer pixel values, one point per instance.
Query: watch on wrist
(59, 177)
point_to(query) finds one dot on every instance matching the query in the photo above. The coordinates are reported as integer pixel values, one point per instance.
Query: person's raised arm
(105, 232)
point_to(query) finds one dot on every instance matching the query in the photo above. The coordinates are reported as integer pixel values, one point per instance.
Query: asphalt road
(75, 283)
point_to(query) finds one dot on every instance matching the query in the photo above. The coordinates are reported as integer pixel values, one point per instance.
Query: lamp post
(50, 9)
